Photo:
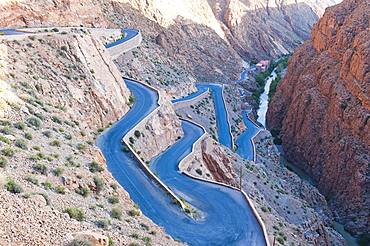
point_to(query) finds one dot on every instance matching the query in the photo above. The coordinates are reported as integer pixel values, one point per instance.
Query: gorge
(54, 74)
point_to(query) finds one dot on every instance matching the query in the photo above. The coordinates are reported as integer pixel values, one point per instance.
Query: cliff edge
(322, 108)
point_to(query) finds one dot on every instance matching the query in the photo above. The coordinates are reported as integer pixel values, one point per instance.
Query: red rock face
(322, 107)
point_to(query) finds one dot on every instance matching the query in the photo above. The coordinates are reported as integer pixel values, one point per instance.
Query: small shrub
(95, 167)
(3, 161)
(47, 133)
(116, 213)
(132, 140)
(69, 136)
(58, 171)
(41, 168)
(114, 186)
(36, 147)
(47, 185)
(40, 116)
(60, 190)
(75, 213)
(19, 125)
(134, 244)
(7, 130)
(113, 199)
(134, 212)
(84, 191)
(34, 122)
(13, 187)
(57, 119)
(264, 209)
(147, 240)
(103, 224)
(79, 242)
(21, 143)
(126, 149)
(83, 133)
(99, 184)
(4, 139)
(135, 235)
(55, 143)
(8, 152)
(280, 240)
(101, 130)
(80, 146)
(32, 179)
(199, 171)
(28, 136)
(137, 134)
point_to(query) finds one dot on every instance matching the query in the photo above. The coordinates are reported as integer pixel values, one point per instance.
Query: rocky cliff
(209, 38)
(322, 107)
(72, 72)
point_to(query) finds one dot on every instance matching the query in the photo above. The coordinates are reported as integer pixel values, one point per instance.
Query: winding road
(228, 219)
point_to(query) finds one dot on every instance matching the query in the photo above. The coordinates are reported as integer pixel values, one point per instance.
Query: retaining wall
(121, 48)
(187, 103)
(141, 163)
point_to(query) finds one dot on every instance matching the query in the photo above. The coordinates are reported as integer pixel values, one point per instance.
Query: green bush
(199, 171)
(21, 143)
(79, 242)
(103, 224)
(28, 136)
(113, 199)
(75, 213)
(60, 190)
(57, 119)
(13, 187)
(3, 161)
(147, 240)
(58, 171)
(4, 139)
(47, 185)
(69, 136)
(19, 125)
(34, 122)
(134, 212)
(80, 146)
(99, 184)
(55, 143)
(84, 191)
(8, 152)
(47, 133)
(137, 134)
(280, 240)
(116, 213)
(95, 167)
(135, 235)
(32, 179)
(7, 130)
(40, 168)
(5, 123)
(264, 209)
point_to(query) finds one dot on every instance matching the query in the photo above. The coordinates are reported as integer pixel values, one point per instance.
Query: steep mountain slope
(322, 107)
(208, 38)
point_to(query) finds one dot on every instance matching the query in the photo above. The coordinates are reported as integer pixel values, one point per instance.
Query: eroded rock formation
(322, 107)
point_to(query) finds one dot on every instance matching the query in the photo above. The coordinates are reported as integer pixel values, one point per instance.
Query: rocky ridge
(322, 108)
(53, 164)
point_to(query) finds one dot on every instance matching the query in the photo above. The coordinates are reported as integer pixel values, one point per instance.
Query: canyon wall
(322, 108)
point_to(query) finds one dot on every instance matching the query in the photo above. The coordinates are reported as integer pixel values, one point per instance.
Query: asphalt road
(223, 128)
(244, 141)
(193, 95)
(228, 219)
(130, 33)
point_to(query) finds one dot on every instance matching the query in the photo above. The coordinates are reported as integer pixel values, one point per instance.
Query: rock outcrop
(74, 73)
(322, 107)
(31, 13)
(157, 132)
